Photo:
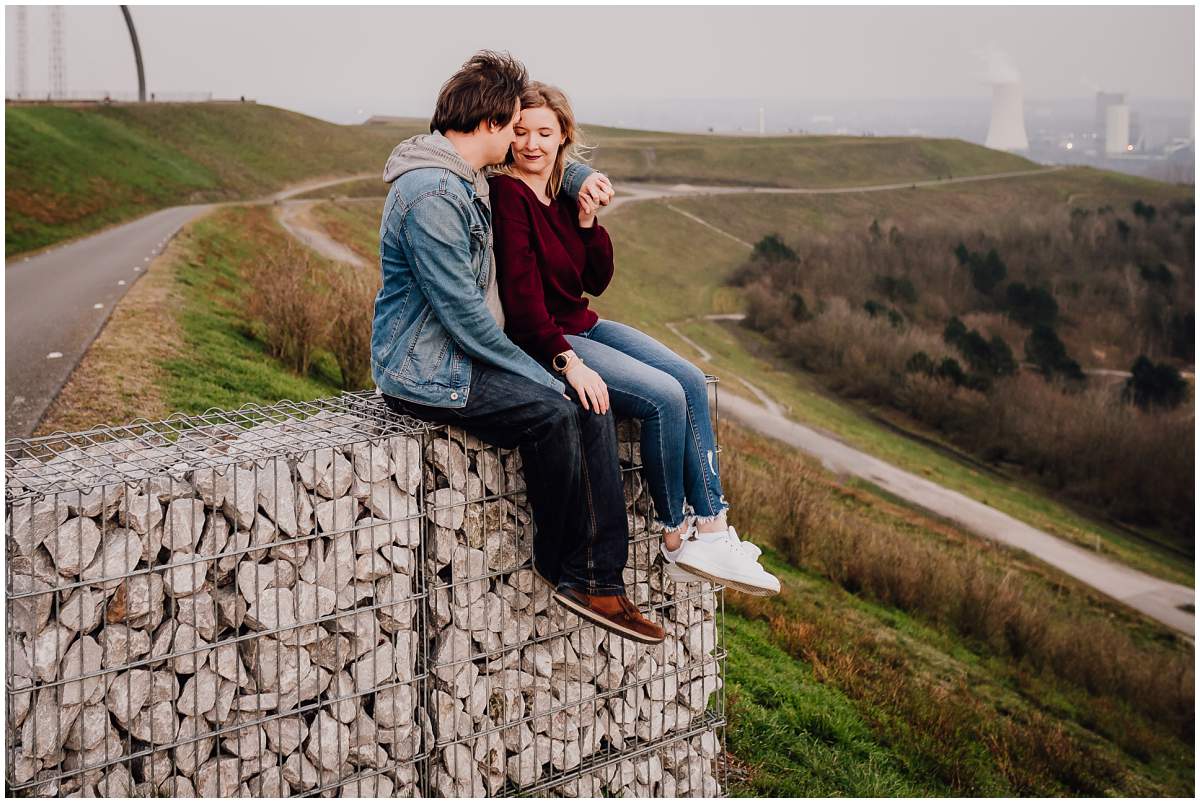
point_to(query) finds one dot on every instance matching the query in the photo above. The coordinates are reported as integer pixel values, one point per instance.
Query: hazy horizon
(345, 64)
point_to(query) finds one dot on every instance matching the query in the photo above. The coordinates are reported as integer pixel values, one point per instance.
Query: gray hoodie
(435, 150)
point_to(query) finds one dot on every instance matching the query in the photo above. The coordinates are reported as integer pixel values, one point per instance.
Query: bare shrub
(352, 293)
(289, 304)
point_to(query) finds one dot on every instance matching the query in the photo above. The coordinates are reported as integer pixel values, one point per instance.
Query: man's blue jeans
(648, 381)
(581, 537)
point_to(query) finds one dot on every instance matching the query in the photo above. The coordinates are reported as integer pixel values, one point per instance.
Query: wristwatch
(563, 361)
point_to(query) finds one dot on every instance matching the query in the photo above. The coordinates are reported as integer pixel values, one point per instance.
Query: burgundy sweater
(545, 262)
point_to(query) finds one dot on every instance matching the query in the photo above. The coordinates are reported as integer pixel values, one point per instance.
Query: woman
(549, 252)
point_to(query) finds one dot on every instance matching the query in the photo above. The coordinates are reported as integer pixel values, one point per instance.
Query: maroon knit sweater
(545, 262)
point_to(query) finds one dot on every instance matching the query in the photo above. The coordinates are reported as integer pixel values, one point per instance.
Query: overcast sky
(338, 62)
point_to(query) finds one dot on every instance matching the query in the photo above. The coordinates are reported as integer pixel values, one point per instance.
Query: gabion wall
(328, 599)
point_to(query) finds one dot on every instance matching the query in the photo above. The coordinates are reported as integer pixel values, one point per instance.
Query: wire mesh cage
(326, 598)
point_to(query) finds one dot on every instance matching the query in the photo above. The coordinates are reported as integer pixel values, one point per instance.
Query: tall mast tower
(58, 69)
(22, 52)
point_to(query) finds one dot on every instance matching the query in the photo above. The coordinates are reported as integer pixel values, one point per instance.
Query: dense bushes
(1076, 439)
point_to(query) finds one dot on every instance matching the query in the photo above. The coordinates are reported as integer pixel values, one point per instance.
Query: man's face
(499, 140)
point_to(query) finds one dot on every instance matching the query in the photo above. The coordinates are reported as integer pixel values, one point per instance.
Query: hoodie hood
(433, 150)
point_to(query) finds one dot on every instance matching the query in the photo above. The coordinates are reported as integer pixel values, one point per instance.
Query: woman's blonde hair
(538, 95)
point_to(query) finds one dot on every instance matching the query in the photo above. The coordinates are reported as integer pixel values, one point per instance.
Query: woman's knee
(694, 383)
(669, 396)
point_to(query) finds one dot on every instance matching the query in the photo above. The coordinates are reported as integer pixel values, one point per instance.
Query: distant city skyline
(345, 64)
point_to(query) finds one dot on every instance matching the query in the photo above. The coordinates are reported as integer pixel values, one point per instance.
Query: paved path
(1158, 599)
(296, 218)
(56, 302)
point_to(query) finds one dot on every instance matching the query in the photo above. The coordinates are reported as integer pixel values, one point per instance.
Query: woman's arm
(598, 258)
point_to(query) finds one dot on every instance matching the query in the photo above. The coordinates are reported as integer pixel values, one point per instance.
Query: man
(439, 353)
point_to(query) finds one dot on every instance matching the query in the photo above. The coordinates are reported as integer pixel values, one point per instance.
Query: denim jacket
(431, 316)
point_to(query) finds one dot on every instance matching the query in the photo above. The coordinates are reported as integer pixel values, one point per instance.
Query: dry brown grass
(288, 303)
(351, 300)
(959, 586)
(120, 377)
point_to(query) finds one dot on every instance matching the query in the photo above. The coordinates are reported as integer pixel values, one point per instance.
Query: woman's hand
(597, 191)
(592, 392)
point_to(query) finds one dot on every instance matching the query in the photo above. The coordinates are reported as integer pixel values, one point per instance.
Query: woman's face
(539, 137)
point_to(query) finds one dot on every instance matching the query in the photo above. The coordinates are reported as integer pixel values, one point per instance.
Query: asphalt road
(56, 302)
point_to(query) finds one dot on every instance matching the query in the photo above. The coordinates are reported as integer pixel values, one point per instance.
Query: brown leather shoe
(613, 612)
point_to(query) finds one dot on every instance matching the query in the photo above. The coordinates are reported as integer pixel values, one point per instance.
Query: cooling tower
(1007, 131)
(1116, 129)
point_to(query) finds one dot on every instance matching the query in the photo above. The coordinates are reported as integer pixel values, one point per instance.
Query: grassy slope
(73, 170)
(223, 364)
(800, 725)
(789, 161)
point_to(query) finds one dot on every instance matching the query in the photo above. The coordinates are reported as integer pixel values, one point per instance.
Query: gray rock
(140, 512)
(73, 545)
(277, 496)
(81, 610)
(448, 508)
(127, 694)
(328, 745)
(31, 523)
(82, 658)
(184, 524)
(199, 693)
(407, 465)
(372, 461)
(337, 515)
(386, 501)
(120, 551)
(122, 645)
(212, 484)
(241, 497)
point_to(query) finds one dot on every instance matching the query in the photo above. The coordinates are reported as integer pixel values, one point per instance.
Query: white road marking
(97, 306)
(54, 355)
(120, 281)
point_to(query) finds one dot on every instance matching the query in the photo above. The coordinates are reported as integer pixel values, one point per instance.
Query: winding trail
(1159, 599)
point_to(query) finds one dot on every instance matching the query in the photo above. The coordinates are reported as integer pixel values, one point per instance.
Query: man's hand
(597, 191)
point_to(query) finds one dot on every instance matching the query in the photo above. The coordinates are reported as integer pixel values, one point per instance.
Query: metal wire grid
(287, 657)
(274, 434)
(216, 438)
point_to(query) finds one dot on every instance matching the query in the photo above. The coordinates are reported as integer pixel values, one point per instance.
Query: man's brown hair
(486, 88)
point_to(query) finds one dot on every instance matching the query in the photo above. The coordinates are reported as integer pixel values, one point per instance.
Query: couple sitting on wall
(506, 348)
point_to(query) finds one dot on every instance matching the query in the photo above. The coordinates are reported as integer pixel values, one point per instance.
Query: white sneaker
(721, 559)
(676, 573)
(750, 549)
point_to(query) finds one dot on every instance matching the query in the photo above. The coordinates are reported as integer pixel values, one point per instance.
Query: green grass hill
(71, 170)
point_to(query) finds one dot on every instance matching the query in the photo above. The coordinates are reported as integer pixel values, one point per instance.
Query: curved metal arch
(137, 54)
